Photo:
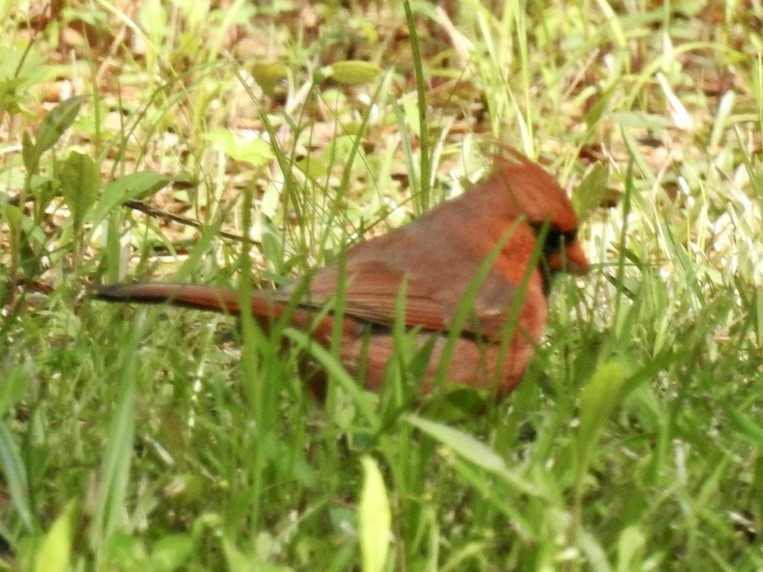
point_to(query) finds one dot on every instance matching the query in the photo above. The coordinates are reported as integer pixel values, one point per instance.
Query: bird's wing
(372, 289)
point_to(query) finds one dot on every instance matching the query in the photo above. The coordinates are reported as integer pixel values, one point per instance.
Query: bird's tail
(226, 300)
(188, 295)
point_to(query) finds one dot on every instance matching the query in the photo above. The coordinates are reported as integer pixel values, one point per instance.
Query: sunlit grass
(154, 438)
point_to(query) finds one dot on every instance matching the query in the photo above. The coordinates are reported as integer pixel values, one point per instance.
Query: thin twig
(159, 213)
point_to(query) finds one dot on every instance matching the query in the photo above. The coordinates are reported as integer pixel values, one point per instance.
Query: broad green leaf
(56, 549)
(462, 443)
(630, 548)
(641, 120)
(374, 518)
(313, 167)
(598, 399)
(11, 96)
(171, 552)
(591, 192)
(53, 125)
(136, 185)
(130, 187)
(353, 71)
(80, 182)
(472, 450)
(268, 75)
(13, 215)
(255, 151)
(29, 154)
(56, 123)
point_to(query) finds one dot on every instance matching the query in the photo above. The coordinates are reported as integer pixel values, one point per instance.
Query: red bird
(519, 218)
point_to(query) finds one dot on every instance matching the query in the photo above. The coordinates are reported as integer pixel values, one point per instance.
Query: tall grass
(154, 438)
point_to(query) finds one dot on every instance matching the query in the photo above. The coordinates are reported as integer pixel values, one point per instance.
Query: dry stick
(159, 213)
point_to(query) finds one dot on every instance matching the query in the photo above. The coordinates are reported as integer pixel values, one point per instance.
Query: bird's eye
(555, 240)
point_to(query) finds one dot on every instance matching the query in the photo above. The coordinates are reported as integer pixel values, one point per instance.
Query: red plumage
(436, 257)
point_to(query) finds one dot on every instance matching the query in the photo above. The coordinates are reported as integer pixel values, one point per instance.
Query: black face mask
(554, 241)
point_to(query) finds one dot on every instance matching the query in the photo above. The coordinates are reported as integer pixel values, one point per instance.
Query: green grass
(162, 439)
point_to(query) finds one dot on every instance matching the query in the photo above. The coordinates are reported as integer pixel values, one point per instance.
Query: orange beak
(575, 259)
(572, 260)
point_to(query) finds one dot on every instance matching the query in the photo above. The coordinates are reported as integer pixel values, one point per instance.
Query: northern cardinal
(435, 259)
